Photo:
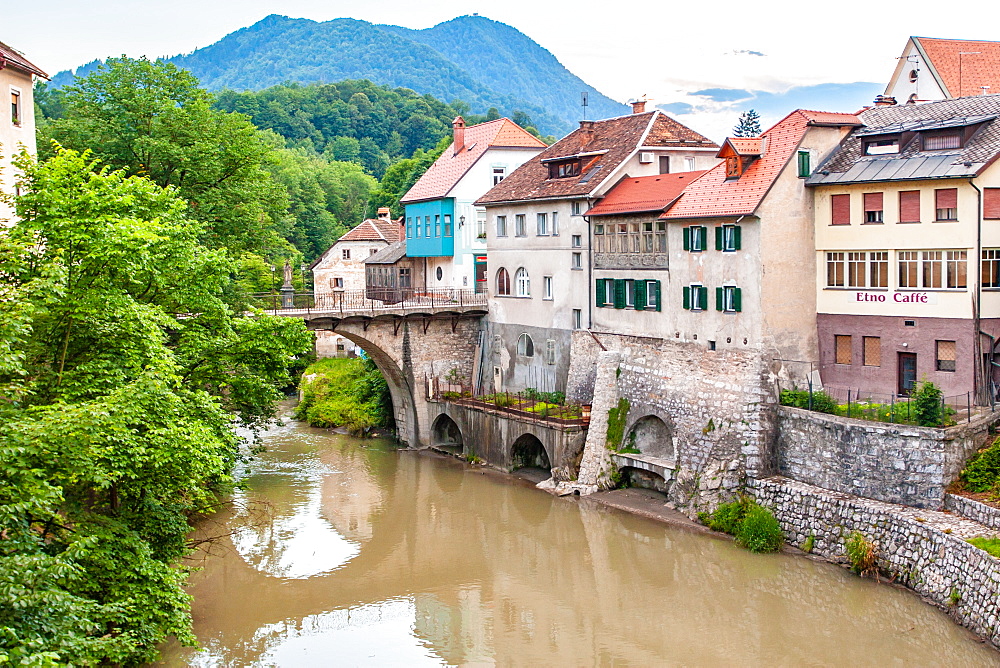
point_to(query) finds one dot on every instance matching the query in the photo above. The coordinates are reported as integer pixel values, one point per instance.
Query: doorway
(907, 373)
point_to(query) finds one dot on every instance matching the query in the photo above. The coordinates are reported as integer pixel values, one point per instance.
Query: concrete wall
(892, 463)
(517, 372)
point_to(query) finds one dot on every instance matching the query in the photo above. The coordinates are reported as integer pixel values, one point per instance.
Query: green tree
(748, 125)
(121, 367)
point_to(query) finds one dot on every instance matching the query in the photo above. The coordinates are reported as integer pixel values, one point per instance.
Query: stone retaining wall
(979, 512)
(929, 561)
(876, 460)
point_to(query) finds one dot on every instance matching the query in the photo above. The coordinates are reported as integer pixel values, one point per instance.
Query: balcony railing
(370, 301)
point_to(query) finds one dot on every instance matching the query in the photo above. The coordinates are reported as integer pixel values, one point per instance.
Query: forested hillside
(481, 62)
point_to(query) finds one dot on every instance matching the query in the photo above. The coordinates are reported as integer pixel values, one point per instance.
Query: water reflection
(378, 557)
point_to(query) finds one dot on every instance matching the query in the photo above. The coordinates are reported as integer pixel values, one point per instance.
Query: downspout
(590, 273)
(977, 379)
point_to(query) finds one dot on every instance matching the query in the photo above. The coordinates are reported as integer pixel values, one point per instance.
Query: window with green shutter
(728, 238)
(805, 168)
(640, 295)
(687, 238)
(729, 299)
(696, 297)
(619, 293)
(653, 293)
(600, 292)
(687, 297)
(702, 298)
(719, 299)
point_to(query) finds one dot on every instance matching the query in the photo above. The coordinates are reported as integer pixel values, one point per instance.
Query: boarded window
(841, 207)
(871, 349)
(991, 203)
(945, 355)
(909, 206)
(842, 348)
(946, 203)
(873, 207)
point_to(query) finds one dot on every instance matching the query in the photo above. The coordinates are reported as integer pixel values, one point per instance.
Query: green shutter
(718, 238)
(640, 295)
(687, 238)
(704, 238)
(737, 237)
(719, 297)
(687, 297)
(703, 298)
(804, 167)
(737, 299)
(619, 293)
(659, 302)
(601, 292)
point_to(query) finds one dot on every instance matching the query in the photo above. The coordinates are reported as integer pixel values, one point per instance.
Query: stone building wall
(936, 565)
(975, 511)
(892, 463)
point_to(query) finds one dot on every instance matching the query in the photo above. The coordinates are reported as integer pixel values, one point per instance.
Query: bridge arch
(652, 436)
(446, 433)
(655, 461)
(529, 452)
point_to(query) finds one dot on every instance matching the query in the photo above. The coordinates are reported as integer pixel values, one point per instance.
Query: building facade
(939, 69)
(908, 250)
(17, 117)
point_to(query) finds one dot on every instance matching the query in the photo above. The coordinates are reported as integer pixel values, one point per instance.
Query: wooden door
(907, 369)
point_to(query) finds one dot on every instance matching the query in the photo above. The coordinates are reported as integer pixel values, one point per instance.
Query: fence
(371, 300)
(527, 403)
(878, 407)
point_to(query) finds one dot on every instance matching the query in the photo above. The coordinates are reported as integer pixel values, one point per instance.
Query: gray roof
(848, 165)
(389, 255)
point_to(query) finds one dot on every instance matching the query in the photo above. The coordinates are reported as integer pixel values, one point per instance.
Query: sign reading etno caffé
(911, 298)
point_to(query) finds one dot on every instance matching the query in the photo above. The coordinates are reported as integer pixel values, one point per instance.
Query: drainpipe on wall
(978, 381)
(590, 273)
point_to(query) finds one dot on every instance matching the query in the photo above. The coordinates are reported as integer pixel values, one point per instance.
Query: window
(729, 299)
(525, 346)
(871, 351)
(732, 167)
(577, 241)
(880, 145)
(840, 206)
(577, 261)
(501, 226)
(842, 348)
(546, 287)
(695, 297)
(577, 319)
(857, 270)
(437, 225)
(991, 267)
(931, 268)
(728, 238)
(908, 269)
(498, 174)
(946, 203)
(804, 166)
(661, 236)
(409, 227)
(418, 230)
(689, 164)
(873, 207)
(835, 270)
(404, 277)
(599, 245)
(427, 226)
(629, 293)
(15, 107)
(664, 164)
(543, 225)
(519, 227)
(878, 269)
(337, 283)
(648, 295)
(909, 206)
(447, 225)
(550, 351)
(946, 355)
(956, 273)
(503, 283)
(604, 289)
(345, 254)
(938, 269)
(522, 283)
(564, 169)
(695, 237)
(480, 224)
(991, 203)
(555, 223)
(940, 142)
(577, 207)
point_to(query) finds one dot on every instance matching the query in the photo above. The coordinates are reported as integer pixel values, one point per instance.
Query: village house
(940, 69)
(443, 226)
(908, 250)
(339, 273)
(17, 119)
(539, 241)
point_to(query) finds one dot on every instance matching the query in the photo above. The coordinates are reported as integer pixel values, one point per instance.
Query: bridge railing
(371, 300)
(527, 404)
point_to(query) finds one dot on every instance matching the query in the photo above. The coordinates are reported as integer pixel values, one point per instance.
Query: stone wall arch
(528, 451)
(653, 436)
(446, 433)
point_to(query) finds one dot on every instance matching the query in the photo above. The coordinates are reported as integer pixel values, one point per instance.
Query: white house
(17, 118)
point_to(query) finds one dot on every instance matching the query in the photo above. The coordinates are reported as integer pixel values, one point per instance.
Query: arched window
(525, 346)
(522, 282)
(503, 282)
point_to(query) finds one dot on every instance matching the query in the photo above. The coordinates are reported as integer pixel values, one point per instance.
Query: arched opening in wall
(652, 437)
(529, 459)
(446, 435)
(635, 477)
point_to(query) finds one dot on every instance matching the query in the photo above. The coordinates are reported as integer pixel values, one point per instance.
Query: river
(344, 552)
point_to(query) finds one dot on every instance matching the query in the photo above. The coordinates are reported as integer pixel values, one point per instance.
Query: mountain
(471, 58)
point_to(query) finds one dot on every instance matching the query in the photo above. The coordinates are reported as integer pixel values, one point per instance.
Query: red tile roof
(449, 168)
(963, 75)
(606, 144)
(644, 193)
(375, 229)
(741, 146)
(11, 58)
(714, 195)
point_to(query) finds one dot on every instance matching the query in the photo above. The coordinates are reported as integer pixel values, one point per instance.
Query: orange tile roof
(12, 58)
(963, 75)
(375, 229)
(714, 195)
(644, 193)
(741, 146)
(449, 168)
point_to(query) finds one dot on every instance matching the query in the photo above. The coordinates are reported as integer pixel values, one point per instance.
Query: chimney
(384, 213)
(458, 125)
(639, 107)
(884, 101)
(586, 132)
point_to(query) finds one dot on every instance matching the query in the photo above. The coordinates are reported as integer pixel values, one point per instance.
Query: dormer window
(733, 167)
(880, 145)
(564, 169)
(940, 141)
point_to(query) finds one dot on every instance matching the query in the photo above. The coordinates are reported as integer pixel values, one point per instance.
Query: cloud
(677, 108)
(724, 94)
(746, 52)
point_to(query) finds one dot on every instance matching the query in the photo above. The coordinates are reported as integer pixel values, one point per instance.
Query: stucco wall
(13, 137)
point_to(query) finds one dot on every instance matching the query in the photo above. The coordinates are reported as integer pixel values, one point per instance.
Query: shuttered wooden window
(946, 203)
(871, 351)
(840, 205)
(873, 207)
(842, 348)
(600, 293)
(991, 203)
(804, 167)
(640, 295)
(619, 293)
(946, 356)
(909, 206)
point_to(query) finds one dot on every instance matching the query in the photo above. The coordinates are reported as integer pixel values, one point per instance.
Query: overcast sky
(664, 50)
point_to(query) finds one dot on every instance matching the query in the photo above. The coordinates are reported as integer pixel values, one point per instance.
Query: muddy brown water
(342, 552)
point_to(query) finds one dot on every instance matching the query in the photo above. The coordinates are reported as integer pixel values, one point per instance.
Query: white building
(17, 117)
(940, 69)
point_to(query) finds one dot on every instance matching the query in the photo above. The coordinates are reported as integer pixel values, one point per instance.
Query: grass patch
(754, 526)
(991, 545)
(862, 554)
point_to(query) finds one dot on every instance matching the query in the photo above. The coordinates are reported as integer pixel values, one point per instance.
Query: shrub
(861, 553)
(727, 517)
(927, 406)
(982, 473)
(451, 396)
(616, 422)
(759, 531)
(821, 401)
(543, 408)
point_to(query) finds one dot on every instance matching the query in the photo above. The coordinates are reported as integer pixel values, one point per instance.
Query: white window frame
(541, 224)
(576, 241)
(520, 226)
(555, 223)
(499, 174)
(728, 238)
(501, 225)
(694, 289)
(651, 295)
(577, 261)
(522, 283)
(547, 287)
(729, 298)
